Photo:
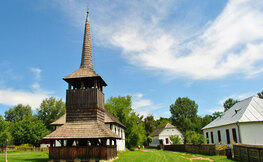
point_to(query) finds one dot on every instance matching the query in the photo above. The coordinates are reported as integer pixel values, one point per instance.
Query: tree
(175, 139)
(18, 113)
(121, 108)
(4, 134)
(162, 121)
(216, 114)
(149, 140)
(260, 94)
(29, 131)
(193, 137)
(229, 103)
(50, 110)
(184, 114)
(149, 124)
(206, 120)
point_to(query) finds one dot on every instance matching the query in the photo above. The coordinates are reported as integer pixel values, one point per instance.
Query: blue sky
(155, 51)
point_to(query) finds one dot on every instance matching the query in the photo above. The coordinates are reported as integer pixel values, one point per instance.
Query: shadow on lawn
(36, 160)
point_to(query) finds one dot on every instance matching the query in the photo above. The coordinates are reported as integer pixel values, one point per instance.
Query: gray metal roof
(247, 110)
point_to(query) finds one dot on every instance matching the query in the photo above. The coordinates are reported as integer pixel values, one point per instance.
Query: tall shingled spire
(86, 60)
(85, 74)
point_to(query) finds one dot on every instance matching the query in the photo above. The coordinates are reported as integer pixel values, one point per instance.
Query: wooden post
(6, 144)
(82, 84)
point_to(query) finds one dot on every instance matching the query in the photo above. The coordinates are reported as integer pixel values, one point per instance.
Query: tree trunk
(6, 144)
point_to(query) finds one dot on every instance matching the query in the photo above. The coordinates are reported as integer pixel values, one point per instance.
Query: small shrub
(175, 139)
(194, 138)
(149, 139)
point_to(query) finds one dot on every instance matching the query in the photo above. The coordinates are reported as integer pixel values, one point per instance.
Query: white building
(242, 123)
(161, 134)
(110, 121)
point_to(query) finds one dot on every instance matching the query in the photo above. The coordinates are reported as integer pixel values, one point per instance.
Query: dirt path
(194, 157)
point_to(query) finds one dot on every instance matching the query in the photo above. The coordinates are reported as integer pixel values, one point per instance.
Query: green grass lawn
(154, 155)
(148, 155)
(25, 156)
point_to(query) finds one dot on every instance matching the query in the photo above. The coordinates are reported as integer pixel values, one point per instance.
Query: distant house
(242, 123)
(109, 120)
(161, 135)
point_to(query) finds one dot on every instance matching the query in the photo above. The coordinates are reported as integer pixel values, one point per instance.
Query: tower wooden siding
(85, 105)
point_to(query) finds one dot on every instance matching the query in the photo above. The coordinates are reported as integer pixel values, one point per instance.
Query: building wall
(155, 141)
(120, 132)
(251, 133)
(165, 135)
(222, 130)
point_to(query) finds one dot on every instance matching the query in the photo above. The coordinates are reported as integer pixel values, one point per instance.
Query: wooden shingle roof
(108, 118)
(158, 130)
(83, 130)
(86, 65)
(60, 121)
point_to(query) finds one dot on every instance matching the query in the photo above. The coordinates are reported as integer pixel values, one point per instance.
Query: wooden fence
(205, 149)
(86, 153)
(12, 148)
(248, 153)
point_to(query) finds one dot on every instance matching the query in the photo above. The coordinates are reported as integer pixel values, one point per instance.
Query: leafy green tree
(3, 136)
(229, 103)
(29, 131)
(197, 123)
(2, 125)
(149, 124)
(216, 114)
(193, 137)
(206, 120)
(260, 94)
(50, 110)
(162, 121)
(184, 114)
(18, 113)
(175, 139)
(121, 108)
(149, 140)
(4, 132)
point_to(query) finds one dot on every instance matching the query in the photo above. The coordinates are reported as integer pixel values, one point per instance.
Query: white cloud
(241, 96)
(221, 109)
(37, 73)
(230, 44)
(13, 97)
(145, 106)
(33, 97)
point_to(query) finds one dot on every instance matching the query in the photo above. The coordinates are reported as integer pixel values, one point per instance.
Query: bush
(194, 138)
(3, 136)
(175, 139)
(149, 139)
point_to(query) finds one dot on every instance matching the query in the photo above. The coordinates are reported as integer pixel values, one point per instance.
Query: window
(207, 138)
(110, 126)
(212, 137)
(167, 141)
(234, 133)
(219, 136)
(227, 136)
(115, 130)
